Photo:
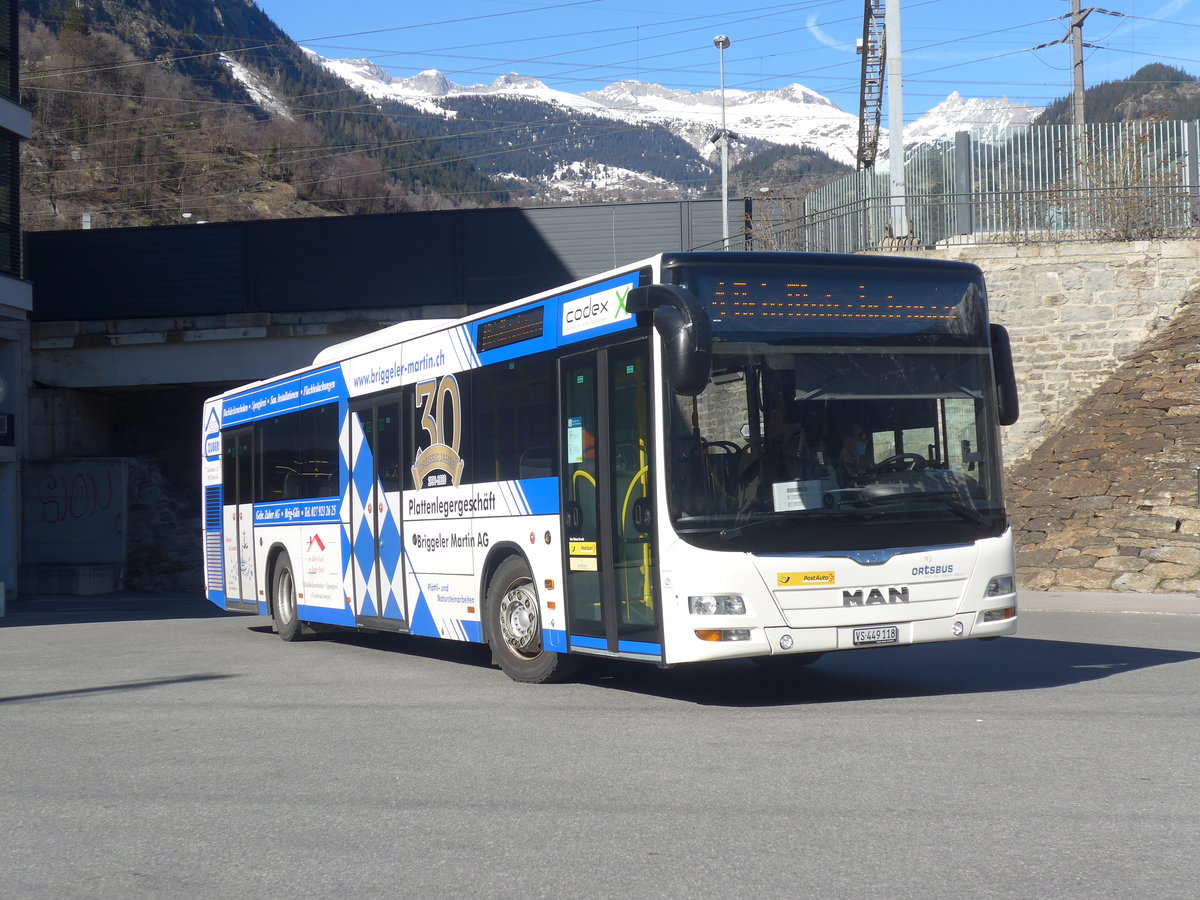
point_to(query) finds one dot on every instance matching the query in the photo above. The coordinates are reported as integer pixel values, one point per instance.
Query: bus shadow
(459, 652)
(921, 670)
(929, 670)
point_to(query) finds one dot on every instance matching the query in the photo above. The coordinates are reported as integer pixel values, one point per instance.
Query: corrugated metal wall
(474, 257)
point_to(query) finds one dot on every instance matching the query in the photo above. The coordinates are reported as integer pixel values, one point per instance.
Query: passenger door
(607, 504)
(237, 517)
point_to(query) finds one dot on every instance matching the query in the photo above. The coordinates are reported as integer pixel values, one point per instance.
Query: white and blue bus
(699, 456)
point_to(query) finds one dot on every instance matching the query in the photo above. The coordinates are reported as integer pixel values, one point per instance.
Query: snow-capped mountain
(794, 115)
(791, 115)
(956, 114)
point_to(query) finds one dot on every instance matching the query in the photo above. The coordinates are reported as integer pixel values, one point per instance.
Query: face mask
(860, 449)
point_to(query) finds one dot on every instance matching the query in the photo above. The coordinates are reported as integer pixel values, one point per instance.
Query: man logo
(875, 597)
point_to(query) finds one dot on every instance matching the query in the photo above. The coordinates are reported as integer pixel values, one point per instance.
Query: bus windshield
(846, 426)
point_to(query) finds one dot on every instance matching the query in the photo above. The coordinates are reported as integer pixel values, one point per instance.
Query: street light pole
(721, 42)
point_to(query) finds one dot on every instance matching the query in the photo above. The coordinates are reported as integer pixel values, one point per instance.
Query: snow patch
(257, 88)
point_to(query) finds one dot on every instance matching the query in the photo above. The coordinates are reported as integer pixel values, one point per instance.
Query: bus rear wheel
(284, 607)
(513, 621)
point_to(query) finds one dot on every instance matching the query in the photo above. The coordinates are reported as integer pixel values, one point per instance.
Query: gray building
(16, 298)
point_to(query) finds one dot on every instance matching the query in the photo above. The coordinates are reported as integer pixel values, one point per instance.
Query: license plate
(870, 637)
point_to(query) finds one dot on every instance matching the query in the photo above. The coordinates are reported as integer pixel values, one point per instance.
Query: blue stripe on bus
(640, 647)
(541, 494)
(309, 389)
(472, 629)
(293, 512)
(325, 615)
(592, 643)
(595, 643)
(554, 640)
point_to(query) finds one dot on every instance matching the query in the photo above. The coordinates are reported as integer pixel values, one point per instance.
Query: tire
(284, 607)
(513, 624)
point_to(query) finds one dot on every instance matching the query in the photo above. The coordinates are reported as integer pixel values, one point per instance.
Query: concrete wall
(76, 511)
(1075, 312)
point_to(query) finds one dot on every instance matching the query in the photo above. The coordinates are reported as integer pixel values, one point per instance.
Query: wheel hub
(519, 619)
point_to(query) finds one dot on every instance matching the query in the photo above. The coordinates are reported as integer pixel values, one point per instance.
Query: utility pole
(895, 92)
(1077, 17)
(1075, 36)
(721, 42)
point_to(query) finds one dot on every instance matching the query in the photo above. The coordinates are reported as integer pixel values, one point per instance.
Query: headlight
(717, 605)
(1001, 585)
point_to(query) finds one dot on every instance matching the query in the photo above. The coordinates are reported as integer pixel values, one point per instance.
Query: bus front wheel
(513, 620)
(283, 600)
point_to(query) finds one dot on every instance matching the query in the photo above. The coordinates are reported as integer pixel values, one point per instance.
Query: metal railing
(1127, 181)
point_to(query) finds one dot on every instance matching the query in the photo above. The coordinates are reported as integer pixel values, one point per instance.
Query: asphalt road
(155, 747)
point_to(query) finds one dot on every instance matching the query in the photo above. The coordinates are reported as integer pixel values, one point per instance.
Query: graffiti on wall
(75, 496)
(75, 511)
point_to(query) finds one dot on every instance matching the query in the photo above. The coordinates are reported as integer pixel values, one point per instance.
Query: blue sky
(980, 48)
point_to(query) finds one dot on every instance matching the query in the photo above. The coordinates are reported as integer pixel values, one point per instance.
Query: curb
(1108, 602)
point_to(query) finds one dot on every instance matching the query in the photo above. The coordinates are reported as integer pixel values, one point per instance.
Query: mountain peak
(514, 80)
(431, 82)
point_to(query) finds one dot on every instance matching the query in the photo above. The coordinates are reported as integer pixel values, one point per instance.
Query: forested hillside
(794, 167)
(167, 111)
(1153, 91)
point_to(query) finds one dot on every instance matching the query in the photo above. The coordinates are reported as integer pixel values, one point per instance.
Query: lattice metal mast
(873, 48)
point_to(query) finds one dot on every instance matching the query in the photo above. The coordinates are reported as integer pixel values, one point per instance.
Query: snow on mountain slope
(956, 114)
(257, 88)
(790, 115)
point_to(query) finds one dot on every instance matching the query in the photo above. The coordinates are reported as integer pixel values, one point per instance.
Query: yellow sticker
(802, 579)
(582, 548)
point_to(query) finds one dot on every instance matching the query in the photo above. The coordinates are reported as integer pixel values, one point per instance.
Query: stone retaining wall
(1111, 501)
(1075, 311)
(1102, 467)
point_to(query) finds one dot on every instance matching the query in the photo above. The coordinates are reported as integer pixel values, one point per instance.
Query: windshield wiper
(887, 493)
(784, 518)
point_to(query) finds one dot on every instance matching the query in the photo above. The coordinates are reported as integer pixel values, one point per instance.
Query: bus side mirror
(1006, 380)
(683, 325)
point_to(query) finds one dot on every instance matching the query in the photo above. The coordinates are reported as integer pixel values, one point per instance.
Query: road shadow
(124, 606)
(120, 688)
(460, 652)
(919, 670)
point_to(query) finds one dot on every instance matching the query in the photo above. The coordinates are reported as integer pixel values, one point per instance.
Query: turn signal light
(723, 634)
(998, 615)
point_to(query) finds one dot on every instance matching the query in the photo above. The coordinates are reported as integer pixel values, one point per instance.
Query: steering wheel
(901, 462)
(727, 446)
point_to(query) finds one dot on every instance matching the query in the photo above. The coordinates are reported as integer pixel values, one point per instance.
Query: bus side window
(512, 427)
(319, 452)
(279, 476)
